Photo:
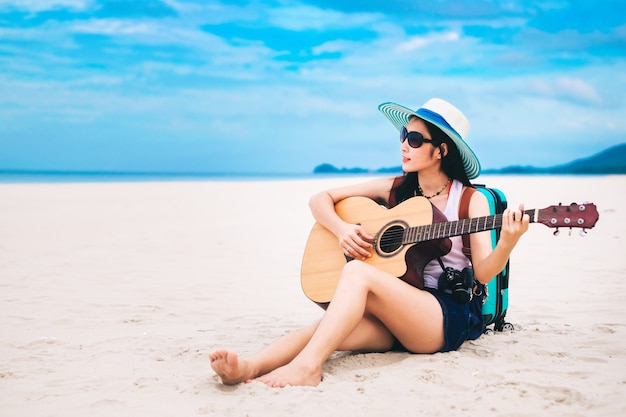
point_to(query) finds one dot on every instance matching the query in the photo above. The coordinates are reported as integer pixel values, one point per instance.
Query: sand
(113, 294)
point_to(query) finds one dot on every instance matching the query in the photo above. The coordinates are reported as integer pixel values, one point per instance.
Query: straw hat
(446, 117)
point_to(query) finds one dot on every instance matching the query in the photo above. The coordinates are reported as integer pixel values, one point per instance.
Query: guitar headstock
(582, 216)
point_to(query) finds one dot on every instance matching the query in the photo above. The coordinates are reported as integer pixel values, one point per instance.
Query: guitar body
(324, 259)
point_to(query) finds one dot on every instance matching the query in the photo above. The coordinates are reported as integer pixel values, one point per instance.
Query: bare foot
(228, 367)
(292, 374)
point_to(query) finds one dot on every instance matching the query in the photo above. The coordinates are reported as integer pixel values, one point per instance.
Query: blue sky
(282, 86)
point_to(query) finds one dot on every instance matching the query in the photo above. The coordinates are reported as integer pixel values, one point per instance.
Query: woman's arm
(487, 262)
(353, 239)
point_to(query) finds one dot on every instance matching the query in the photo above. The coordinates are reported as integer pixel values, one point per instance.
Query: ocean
(21, 177)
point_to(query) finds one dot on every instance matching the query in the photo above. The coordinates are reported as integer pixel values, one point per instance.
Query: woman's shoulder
(477, 203)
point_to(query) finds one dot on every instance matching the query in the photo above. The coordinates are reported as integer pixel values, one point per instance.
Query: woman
(371, 310)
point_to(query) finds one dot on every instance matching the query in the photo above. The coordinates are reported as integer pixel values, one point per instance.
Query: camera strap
(443, 267)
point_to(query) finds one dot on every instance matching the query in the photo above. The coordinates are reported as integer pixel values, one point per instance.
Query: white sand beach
(113, 294)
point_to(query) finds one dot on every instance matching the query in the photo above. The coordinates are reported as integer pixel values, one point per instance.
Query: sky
(279, 87)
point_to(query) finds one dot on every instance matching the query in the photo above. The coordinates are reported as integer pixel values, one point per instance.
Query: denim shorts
(456, 321)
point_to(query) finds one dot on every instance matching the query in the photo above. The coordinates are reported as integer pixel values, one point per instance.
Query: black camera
(458, 284)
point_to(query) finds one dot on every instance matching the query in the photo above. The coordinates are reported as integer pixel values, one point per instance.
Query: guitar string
(434, 230)
(444, 229)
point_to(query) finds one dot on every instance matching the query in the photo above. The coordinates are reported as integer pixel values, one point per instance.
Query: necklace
(434, 195)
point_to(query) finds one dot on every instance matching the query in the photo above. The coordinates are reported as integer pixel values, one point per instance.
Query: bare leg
(232, 370)
(414, 316)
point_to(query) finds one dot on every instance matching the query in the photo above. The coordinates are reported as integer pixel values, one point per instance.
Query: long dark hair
(451, 165)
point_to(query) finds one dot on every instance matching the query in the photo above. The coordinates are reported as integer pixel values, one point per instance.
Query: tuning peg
(556, 232)
(582, 232)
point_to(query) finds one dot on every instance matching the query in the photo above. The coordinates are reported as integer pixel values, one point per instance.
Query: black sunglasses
(416, 139)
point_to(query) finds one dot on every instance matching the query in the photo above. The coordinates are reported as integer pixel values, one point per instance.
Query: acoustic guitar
(412, 233)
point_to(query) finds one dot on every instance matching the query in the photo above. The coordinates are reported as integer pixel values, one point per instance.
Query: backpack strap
(464, 214)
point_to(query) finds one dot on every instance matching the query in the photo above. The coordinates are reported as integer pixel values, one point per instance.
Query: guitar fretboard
(456, 228)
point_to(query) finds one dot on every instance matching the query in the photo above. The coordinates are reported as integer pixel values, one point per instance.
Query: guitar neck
(443, 230)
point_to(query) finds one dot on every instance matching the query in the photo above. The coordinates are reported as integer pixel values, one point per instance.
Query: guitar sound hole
(391, 240)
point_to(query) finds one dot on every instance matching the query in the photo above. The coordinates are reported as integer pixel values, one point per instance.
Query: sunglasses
(416, 139)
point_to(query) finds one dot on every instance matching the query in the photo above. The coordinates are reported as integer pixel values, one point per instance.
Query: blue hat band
(437, 119)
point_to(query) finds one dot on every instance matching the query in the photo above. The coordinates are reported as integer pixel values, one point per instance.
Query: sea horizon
(52, 176)
(45, 176)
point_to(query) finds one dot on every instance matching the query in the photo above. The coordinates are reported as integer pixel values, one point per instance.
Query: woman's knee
(359, 273)
(355, 270)
(351, 273)
(353, 266)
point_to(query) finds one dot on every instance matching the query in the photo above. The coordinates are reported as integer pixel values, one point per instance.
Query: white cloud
(36, 6)
(202, 13)
(307, 17)
(114, 27)
(574, 89)
(418, 42)
(334, 46)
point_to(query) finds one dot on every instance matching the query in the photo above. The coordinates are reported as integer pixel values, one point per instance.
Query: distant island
(609, 161)
(331, 169)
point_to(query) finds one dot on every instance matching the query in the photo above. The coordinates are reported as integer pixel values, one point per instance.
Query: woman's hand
(514, 225)
(489, 262)
(355, 241)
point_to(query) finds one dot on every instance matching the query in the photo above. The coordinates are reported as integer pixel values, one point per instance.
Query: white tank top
(455, 258)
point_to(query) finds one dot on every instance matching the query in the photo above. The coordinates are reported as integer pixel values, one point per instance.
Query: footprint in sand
(601, 329)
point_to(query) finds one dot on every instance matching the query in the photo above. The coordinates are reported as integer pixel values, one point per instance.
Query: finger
(358, 242)
(359, 249)
(505, 219)
(361, 252)
(525, 216)
(364, 235)
(512, 218)
(356, 253)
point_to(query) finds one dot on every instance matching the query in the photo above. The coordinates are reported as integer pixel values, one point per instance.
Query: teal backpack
(495, 300)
